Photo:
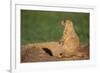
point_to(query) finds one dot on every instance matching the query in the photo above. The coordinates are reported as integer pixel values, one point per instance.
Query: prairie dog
(70, 41)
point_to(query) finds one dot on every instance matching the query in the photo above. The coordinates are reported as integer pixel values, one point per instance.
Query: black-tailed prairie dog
(70, 41)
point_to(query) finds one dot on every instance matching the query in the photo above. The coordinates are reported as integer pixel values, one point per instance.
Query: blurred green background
(43, 26)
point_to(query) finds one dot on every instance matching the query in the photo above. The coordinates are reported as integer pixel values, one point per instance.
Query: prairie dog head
(68, 24)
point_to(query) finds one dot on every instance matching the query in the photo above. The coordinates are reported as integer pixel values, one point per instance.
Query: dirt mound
(49, 51)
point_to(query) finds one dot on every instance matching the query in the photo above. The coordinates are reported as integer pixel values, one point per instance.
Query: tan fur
(70, 41)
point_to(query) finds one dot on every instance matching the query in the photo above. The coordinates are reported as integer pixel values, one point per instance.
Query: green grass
(43, 26)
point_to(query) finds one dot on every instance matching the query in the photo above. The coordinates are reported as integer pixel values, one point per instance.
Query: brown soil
(48, 51)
